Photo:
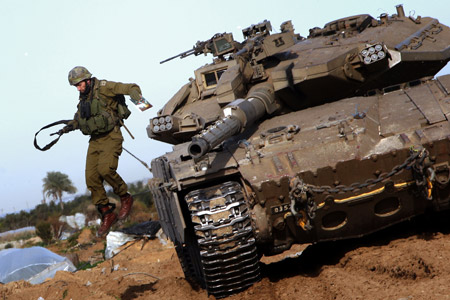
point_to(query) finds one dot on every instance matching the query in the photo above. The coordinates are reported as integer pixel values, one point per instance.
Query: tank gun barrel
(238, 115)
(214, 135)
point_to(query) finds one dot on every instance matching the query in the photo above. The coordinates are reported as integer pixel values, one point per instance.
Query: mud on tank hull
(340, 170)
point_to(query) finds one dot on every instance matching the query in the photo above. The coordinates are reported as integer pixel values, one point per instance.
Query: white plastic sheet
(50, 271)
(76, 221)
(114, 240)
(35, 262)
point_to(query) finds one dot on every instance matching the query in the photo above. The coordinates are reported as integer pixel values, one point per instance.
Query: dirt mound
(409, 261)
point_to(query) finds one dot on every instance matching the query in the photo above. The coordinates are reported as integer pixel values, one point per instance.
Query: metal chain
(303, 206)
(420, 155)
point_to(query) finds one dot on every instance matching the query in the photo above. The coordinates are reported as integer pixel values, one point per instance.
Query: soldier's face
(81, 87)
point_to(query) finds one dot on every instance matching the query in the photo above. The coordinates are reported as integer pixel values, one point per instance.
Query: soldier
(101, 109)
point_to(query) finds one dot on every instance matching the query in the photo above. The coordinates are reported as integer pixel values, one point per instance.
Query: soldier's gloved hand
(67, 128)
(135, 96)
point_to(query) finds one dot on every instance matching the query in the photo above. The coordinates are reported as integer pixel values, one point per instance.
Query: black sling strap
(55, 140)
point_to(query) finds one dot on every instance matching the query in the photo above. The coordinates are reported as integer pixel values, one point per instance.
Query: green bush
(84, 265)
(9, 245)
(44, 231)
(73, 239)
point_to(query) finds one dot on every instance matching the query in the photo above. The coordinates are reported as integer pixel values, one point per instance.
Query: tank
(284, 139)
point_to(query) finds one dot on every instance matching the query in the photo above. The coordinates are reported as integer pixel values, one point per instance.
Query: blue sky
(121, 41)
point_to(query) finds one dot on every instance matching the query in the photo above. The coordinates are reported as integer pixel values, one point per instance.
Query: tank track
(189, 257)
(222, 225)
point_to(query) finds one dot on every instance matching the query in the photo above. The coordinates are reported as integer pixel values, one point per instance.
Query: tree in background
(55, 184)
(144, 210)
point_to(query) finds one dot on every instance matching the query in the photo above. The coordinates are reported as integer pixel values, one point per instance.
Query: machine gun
(254, 36)
(219, 45)
(258, 43)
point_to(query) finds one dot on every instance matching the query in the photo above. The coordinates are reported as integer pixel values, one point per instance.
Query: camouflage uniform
(100, 112)
(105, 148)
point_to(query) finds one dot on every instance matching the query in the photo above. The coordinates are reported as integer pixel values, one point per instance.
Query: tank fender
(167, 202)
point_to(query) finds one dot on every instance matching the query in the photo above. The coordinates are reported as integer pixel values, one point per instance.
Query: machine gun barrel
(181, 55)
(238, 115)
(249, 46)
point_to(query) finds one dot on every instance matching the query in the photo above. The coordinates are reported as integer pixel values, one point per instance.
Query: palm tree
(55, 184)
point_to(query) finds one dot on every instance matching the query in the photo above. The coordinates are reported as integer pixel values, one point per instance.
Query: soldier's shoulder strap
(46, 147)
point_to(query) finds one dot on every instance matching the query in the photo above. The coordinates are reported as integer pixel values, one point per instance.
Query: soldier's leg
(108, 161)
(94, 182)
(108, 164)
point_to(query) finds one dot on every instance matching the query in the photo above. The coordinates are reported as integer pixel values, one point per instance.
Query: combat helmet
(78, 74)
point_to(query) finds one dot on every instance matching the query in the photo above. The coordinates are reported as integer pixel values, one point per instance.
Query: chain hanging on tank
(423, 174)
(303, 206)
(418, 157)
(301, 194)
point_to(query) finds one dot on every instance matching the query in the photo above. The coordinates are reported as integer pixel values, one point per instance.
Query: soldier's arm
(72, 125)
(112, 88)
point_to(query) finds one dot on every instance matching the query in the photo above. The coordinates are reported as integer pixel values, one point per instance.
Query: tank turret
(236, 69)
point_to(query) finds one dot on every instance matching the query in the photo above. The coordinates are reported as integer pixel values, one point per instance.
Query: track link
(225, 238)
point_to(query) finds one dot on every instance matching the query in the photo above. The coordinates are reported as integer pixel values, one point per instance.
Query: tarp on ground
(149, 228)
(34, 264)
(115, 239)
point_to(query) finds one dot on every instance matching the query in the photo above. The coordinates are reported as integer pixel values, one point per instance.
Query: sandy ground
(410, 261)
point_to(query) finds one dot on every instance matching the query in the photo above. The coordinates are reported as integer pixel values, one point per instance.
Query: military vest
(96, 117)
